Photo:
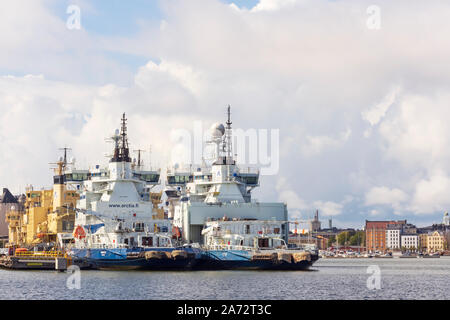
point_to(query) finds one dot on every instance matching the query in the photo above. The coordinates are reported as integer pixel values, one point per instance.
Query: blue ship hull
(134, 259)
(243, 260)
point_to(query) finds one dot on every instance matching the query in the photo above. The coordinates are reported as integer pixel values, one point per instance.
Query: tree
(357, 239)
(343, 238)
(331, 241)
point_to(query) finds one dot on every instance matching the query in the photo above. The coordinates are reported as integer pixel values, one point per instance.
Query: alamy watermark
(74, 20)
(74, 280)
(374, 20)
(251, 147)
(374, 280)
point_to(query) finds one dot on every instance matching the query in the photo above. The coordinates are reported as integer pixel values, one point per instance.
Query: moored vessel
(116, 223)
(250, 245)
(215, 208)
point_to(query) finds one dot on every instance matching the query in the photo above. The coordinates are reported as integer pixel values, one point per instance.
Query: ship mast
(229, 132)
(61, 165)
(121, 150)
(140, 162)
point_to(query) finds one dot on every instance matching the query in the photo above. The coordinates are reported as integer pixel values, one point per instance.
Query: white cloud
(419, 134)
(288, 195)
(269, 5)
(432, 194)
(385, 196)
(377, 112)
(329, 208)
(317, 144)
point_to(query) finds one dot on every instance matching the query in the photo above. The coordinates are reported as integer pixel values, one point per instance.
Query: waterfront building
(436, 241)
(376, 234)
(410, 241)
(423, 241)
(8, 202)
(395, 232)
(409, 228)
(393, 240)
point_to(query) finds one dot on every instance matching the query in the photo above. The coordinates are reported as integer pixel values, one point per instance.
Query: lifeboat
(176, 232)
(79, 233)
(21, 250)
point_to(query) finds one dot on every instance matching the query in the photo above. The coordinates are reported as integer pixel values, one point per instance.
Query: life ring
(79, 233)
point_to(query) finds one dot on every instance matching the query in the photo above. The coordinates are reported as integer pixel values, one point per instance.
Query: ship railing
(40, 254)
(230, 247)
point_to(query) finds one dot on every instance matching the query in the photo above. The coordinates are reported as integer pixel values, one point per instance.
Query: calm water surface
(329, 279)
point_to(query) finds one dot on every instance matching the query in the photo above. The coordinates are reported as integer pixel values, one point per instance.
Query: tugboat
(215, 209)
(250, 245)
(115, 224)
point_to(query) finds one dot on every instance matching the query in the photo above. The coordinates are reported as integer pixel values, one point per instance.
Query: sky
(360, 96)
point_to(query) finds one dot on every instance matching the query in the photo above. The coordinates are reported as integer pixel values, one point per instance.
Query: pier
(42, 260)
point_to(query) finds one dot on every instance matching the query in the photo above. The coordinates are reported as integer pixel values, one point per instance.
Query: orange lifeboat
(20, 250)
(176, 232)
(79, 233)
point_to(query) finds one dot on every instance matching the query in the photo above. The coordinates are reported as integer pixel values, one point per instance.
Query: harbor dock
(43, 260)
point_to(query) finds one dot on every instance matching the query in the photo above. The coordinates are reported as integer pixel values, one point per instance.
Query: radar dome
(117, 132)
(217, 130)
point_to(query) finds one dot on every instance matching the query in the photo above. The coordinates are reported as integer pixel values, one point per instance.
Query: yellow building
(46, 213)
(436, 242)
(16, 234)
(423, 241)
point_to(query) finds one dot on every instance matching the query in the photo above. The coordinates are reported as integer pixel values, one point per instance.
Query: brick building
(376, 234)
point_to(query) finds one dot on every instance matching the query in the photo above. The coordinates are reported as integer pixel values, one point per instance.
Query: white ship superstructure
(243, 234)
(221, 190)
(115, 208)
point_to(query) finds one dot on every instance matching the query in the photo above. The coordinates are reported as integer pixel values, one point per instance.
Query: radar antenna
(121, 149)
(60, 166)
(229, 148)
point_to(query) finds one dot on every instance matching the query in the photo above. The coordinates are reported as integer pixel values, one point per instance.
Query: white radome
(217, 130)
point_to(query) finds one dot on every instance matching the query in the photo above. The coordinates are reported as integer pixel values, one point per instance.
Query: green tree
(343, 238)
(357, 239)
(331, 241)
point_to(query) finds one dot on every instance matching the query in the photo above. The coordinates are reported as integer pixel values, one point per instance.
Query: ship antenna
(61, 165)
(139, 162)
(124, 148)
(65, 162)
(228, 137)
